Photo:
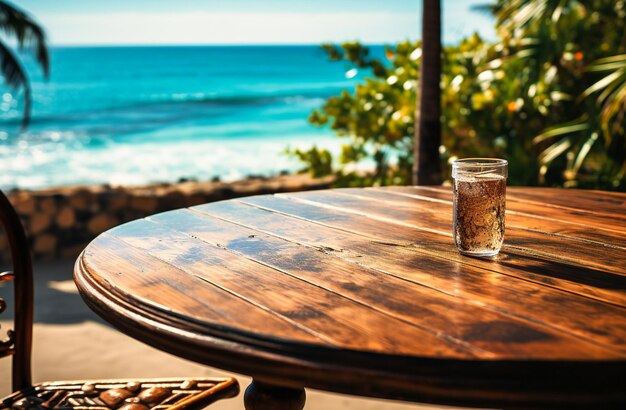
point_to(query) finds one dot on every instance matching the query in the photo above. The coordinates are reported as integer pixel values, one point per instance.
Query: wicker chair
(153, 394)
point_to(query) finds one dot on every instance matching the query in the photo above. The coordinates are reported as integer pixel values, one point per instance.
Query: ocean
(136, 115)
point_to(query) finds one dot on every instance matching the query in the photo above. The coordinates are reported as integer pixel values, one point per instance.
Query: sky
(162, 22)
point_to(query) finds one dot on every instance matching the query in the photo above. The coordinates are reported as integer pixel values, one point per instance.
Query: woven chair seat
(146, 394)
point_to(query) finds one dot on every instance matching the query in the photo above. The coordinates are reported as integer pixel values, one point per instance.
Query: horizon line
(77, 45)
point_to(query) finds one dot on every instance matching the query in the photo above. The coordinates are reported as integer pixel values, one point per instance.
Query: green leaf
(15, 77)
(611, 59)
(553, 151)
(584, 151)
(603, 82)
(562, 129)
(606, 67)
(558, 11)
(19, 25)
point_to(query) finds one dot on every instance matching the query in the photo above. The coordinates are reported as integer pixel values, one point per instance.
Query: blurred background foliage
(549, 95)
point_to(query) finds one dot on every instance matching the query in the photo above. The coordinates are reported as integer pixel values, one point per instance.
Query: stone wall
(60, 222)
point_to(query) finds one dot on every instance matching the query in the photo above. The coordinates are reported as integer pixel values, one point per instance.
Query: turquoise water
(133, 115)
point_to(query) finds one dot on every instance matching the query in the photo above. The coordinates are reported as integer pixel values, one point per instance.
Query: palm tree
(427, 166)
(20, 27)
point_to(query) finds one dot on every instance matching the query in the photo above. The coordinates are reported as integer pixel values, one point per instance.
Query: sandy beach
(71, 342)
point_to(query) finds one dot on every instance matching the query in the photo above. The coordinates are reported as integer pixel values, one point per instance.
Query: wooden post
(427, 167)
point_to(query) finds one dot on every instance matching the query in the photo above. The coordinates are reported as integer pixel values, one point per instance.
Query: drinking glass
(479, 186)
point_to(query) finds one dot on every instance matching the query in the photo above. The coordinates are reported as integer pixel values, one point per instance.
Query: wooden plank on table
(607, 203)
(422, 306)
(513, 219)
(344, 323)
(145, 280)
(602, 203)
(572, 277)
(329, 232)
(437, 217)
(593, 212)
(608, 194)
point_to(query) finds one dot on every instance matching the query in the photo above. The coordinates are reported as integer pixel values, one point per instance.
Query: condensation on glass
(479, 186)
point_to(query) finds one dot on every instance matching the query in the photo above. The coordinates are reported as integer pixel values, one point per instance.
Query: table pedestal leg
(263, 396)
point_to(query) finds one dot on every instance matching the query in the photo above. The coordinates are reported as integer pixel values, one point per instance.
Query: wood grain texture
(363, 287)
(569, 277)
(518, 220)
(436, 218)
(474, 286)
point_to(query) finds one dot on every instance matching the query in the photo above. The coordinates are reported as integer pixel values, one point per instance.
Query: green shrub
(549, 96)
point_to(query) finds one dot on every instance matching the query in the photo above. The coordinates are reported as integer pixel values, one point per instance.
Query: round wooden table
(361, 291)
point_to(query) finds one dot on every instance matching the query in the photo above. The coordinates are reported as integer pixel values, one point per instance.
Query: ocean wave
(241, 99)
(148, 162)
(150, 108)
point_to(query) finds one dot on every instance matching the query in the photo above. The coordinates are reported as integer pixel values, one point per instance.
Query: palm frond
(612, 88)
(614, 105)
(553, 151)
(18, 24)
(579, 124)
(558, 10)
(16, 78)
(520, 13)
(606, 66)
(608, 91)
(583, 152)
(611, 59)
(605, 82)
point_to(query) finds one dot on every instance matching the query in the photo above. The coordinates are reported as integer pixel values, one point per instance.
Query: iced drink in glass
(479, 186)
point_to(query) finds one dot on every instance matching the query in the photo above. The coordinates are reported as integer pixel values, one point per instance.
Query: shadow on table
(562, 270)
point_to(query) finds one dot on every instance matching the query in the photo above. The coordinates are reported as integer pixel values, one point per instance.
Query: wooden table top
(362, 291)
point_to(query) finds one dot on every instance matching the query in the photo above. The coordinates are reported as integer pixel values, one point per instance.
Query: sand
(71, 342)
